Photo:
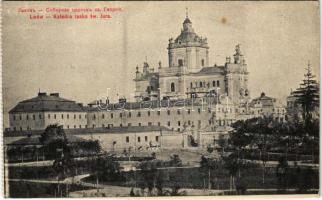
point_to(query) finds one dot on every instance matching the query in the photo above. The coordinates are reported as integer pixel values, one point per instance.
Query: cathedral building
(188, 94)
(189, 75)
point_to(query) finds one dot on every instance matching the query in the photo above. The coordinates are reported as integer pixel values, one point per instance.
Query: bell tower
(237, 78)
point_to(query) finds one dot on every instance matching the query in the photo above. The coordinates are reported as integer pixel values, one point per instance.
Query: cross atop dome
(187, 20)
(187, 35)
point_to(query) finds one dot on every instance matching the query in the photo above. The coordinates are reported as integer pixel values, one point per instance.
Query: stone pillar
(188, 58)
(170, 55)
(207, 58)
(185, 140)
(181, 86)
(197, 58)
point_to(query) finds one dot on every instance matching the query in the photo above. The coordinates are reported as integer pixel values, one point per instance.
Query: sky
(82, 58)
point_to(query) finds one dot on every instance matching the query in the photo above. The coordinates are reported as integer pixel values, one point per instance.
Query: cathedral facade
(189, 74)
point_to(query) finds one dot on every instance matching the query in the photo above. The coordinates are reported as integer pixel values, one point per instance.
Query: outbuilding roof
(35, 140)
(44, 102)
(70, 132)
(264, 100)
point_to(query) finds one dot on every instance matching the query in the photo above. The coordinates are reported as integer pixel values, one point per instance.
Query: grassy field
(43, 190)
(220, 179)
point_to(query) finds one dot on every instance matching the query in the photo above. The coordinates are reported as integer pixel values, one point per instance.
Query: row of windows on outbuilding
(168, 123)
(19, 117)
(179, 123)
(158, 113)
(127, 139)
(139, 113)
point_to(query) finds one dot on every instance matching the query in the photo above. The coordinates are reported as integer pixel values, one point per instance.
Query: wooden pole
(57, 185)
(66, 190)
(209, 186)
(37, 155)
(263, 174)
(97, 185)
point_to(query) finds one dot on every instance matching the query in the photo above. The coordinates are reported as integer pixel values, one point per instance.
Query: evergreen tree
(308, 98)
(308, 95)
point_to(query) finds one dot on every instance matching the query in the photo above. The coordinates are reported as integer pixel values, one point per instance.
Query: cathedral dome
(187, 37)
(187, 34)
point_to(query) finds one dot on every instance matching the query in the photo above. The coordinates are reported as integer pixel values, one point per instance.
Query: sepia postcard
(160, 98)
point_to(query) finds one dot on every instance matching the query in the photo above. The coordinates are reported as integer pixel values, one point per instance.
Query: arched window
(200, 84)
(218, 84)
(191, 85)
(180, 62)
(213, 83)
(173, 87)
(202, 62)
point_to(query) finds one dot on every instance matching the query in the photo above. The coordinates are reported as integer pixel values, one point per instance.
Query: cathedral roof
(211, 70)
(186, 36)
(44, 102)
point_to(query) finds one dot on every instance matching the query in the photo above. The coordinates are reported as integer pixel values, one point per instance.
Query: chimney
(54, 94)
(42, 94)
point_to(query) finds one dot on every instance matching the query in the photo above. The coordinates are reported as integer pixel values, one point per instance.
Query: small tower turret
(227, 59)
(146, 69)
(238, 56)
(237, 78)
(160, 66)
(137, 73)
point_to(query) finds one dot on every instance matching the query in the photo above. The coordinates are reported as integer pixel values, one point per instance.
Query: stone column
(188, 57)
(197, 64)
(170, 55)
(207, 58)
